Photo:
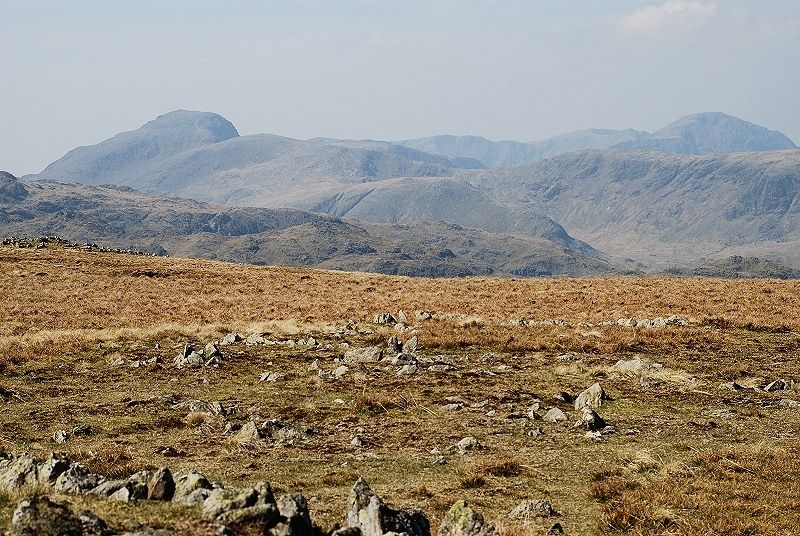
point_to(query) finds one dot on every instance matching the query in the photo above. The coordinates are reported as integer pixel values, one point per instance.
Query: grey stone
(779, 385)
(39, 516)
(593, 396)
(554, 415)
(251, 505)
(407, 370)
(371, 354)
(161, 486)
(60, 436)
(109, 488)
(248, 432)
(410, 346)
(77, 479)
(367, 512)
(187, 483)
(530, 509)
(293, 508)
(461, 520)
(271, 377)
(590, 420)
(384, 318)
(52, 468)
(230, 338)
(394, 346)
(467, 444)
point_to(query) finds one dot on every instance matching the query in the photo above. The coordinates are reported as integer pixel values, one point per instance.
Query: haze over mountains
(706, 186)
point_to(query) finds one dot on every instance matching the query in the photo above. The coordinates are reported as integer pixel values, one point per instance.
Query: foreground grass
(64, 332)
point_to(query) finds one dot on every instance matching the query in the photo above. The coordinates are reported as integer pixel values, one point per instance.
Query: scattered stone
(82, 430)
(731, 386)
(529, 509)
(594, 436)
(565, 397)
(535, 432)
(410, 346)
(314, 365)
(533, 411)
(371, 354)
(247, 433)
(212, 354)
(230, 338)
(567, 358)
(357, 442)
(594, 396)
(17, 472)
(77, 479)
(60, 436)
(423, 315)
(367, 512)
(554, 415)
(441, 368)
(634, 366)
(468, 444)
(461, 520)
(384, 318)
(452, 407)
(779, 385)
(394, 346)
(189, 358)
(403, 359)
(788, 403)
(271, 376)
(251, 505)
(161, 486)
(407, 370)
(187, 485)
(340, 371)
(296, 521)
(590, 420)
(555, 530)
(39, 516)
(255, 338)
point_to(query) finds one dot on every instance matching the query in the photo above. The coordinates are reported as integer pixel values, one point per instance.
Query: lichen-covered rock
(370, 354)
(461, 520)
(593, 396)
(251, 505)
(295, 519)
(590, 420)
(161, 486)
(530, 509)
(189, 487)
(39, 516)
(554, 415)
(77, 479)
(367, 512)
(17, 472)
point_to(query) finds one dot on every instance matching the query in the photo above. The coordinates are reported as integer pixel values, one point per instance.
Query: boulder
(188, 483)
(367, 512)
(250, 505)
(779, 385)
(384, 318)
(394, 346)
(410, 346)
(52, 468)
(407, 370)
(554, 415)
(467, 444)
(247, 433)
(461, 520)
(295, 519)
(161, 486)
(77, 479)
(230, 338)
(594, 396)
(371, 354)
(17, 472)
(590, 420)
(39, 516)
(530, 509)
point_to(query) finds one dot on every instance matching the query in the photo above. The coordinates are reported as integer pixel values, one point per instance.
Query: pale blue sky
(75, 72)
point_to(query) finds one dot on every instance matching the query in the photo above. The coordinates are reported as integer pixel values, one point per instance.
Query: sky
(75, 72)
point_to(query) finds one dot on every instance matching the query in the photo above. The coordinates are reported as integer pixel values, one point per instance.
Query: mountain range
(706, 186)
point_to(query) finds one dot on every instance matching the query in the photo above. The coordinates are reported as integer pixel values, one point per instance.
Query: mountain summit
(137, 151)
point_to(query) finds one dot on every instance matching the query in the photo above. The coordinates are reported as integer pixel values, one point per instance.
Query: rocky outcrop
(461, 520)
(367, 512)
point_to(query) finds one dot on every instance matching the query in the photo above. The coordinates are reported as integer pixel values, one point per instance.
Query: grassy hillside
(77, 329)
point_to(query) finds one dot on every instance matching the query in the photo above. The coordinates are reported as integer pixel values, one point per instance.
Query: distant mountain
(704, 133)
(131, 154)
(658, 208)
(120, 217)
(711, 133)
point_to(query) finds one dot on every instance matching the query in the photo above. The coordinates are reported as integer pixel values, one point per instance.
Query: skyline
(83, 71)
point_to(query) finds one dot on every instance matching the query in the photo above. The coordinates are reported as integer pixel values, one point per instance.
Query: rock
(779, 385)
(731, 386)
(82, 430)
(108, 488)
(251, 505)
(403, 359)
(394, 346)
(93, 525)
(590, 420)
(60, 436)
(384, 318)
(594, 396)
(293, 509)
(423, 315)
(230, 338)
(161, 486)
(247, 433)
(339, 371)
(467, 444)
(401, 317)
(555, 530)
(410, 346)
(565, 397)
(530, 509)
(461, 520)
(594, 436)
(452, 407)
(371, 354)
(188, 483)
(554, 415)
(367, 512)
(191, 359)
(52, 468)
(634, 366)
(271, 377)
(441, 368)
(255, 338)
(39, 516)
(77, 479)
(788, 403)
(17, 472)
(357, 442)
(407, 370)
(212, 355)
(566, 358)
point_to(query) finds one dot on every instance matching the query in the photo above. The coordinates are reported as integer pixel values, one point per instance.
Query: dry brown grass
(62, 332)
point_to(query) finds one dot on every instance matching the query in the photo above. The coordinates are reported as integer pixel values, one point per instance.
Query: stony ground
(695, 444)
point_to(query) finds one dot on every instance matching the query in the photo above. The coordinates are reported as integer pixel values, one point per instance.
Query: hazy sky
(75, 72)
